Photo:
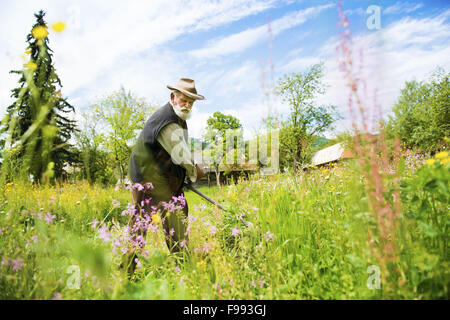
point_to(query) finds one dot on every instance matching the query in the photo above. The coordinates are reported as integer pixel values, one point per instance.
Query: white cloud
(404, 7)
(96, 52)
(405, 50)
(245, 39)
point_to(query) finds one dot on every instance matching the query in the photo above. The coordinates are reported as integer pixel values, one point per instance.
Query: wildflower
(154, 228)
(252, 283)
(155, 218)
(201, 263)
(57, 296)
(39, 32)
(116, 204)
(52, 199)
(429, 161)
(445, 161)
(138, 263)
(235, 231)
(5, 262)
(148, 186)
(441, 155)
(17, 264)
(104, 233)
(59, 26)
(177, 269)
(212, 230)
(172, 231)
(268, 236)
(138, 186)
(35, 239)
(31, 65)
(182, 243)
(49, 218)
(94, 223)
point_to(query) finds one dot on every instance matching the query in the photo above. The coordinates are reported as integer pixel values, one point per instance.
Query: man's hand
(200, 172)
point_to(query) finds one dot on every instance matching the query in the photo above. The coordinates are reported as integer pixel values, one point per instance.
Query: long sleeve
(172, 140)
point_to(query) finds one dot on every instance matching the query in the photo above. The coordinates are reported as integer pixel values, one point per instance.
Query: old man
(162, 157)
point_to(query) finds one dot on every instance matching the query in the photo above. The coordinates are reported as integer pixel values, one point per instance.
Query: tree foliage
(123, 115)
(421, 116)
(217, 127)
(306, 119)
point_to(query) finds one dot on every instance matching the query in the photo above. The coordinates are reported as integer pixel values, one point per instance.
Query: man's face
(185, 103)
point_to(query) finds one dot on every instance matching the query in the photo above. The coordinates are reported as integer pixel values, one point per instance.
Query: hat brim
(187, 93)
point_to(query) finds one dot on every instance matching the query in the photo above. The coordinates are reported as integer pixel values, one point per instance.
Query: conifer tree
(36, 123)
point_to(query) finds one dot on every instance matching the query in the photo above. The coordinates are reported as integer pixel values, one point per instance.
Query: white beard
(181, 114)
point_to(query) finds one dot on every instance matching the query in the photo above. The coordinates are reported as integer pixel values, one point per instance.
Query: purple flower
(268, 236)
(138, 263)
(35, 239)
(148, 186)
(172, 231)
(103, 233)
(235, 231)
(17, 264)
(49, 218)
(212, 230)
(94, 223)
(182, 243)
(115, 203)
(138, 186)
(57, 296)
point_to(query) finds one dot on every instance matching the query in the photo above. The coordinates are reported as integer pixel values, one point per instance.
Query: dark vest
(148, 154)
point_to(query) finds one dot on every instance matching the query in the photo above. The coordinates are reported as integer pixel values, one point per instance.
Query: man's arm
(172, 140)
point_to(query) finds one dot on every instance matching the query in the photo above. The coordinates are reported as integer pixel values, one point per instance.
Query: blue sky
(224, 46)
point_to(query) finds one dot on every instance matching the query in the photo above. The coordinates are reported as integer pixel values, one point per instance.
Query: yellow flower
(445, 161)
(430, 161)
(59, 26)
(39, 32)
(155, 218)
(39, 42)
(28, 51)
(31, 65)
(441, 155)
(201, 263)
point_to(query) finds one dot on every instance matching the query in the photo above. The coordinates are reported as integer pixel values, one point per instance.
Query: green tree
(218, 125)
(123, 114)
(421, 116)
(37, 123)
(306, 119)
(95, 159)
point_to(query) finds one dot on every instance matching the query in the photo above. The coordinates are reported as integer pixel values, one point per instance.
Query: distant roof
(333, 153)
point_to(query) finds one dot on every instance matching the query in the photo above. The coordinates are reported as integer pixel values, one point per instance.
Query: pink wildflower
(116, 204)
(17, 264)
(49, 218)
(235, 231)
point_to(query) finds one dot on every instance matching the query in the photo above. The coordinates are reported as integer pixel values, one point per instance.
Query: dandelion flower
(445, 161)
(441, 155)
(155, 218)
(31, 65)
(59, 26)
(39, 32)
(430, 161)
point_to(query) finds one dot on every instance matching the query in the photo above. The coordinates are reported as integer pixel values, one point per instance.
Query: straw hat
(187, 87)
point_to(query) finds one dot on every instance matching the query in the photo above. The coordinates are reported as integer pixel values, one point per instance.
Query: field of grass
(311, 235)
